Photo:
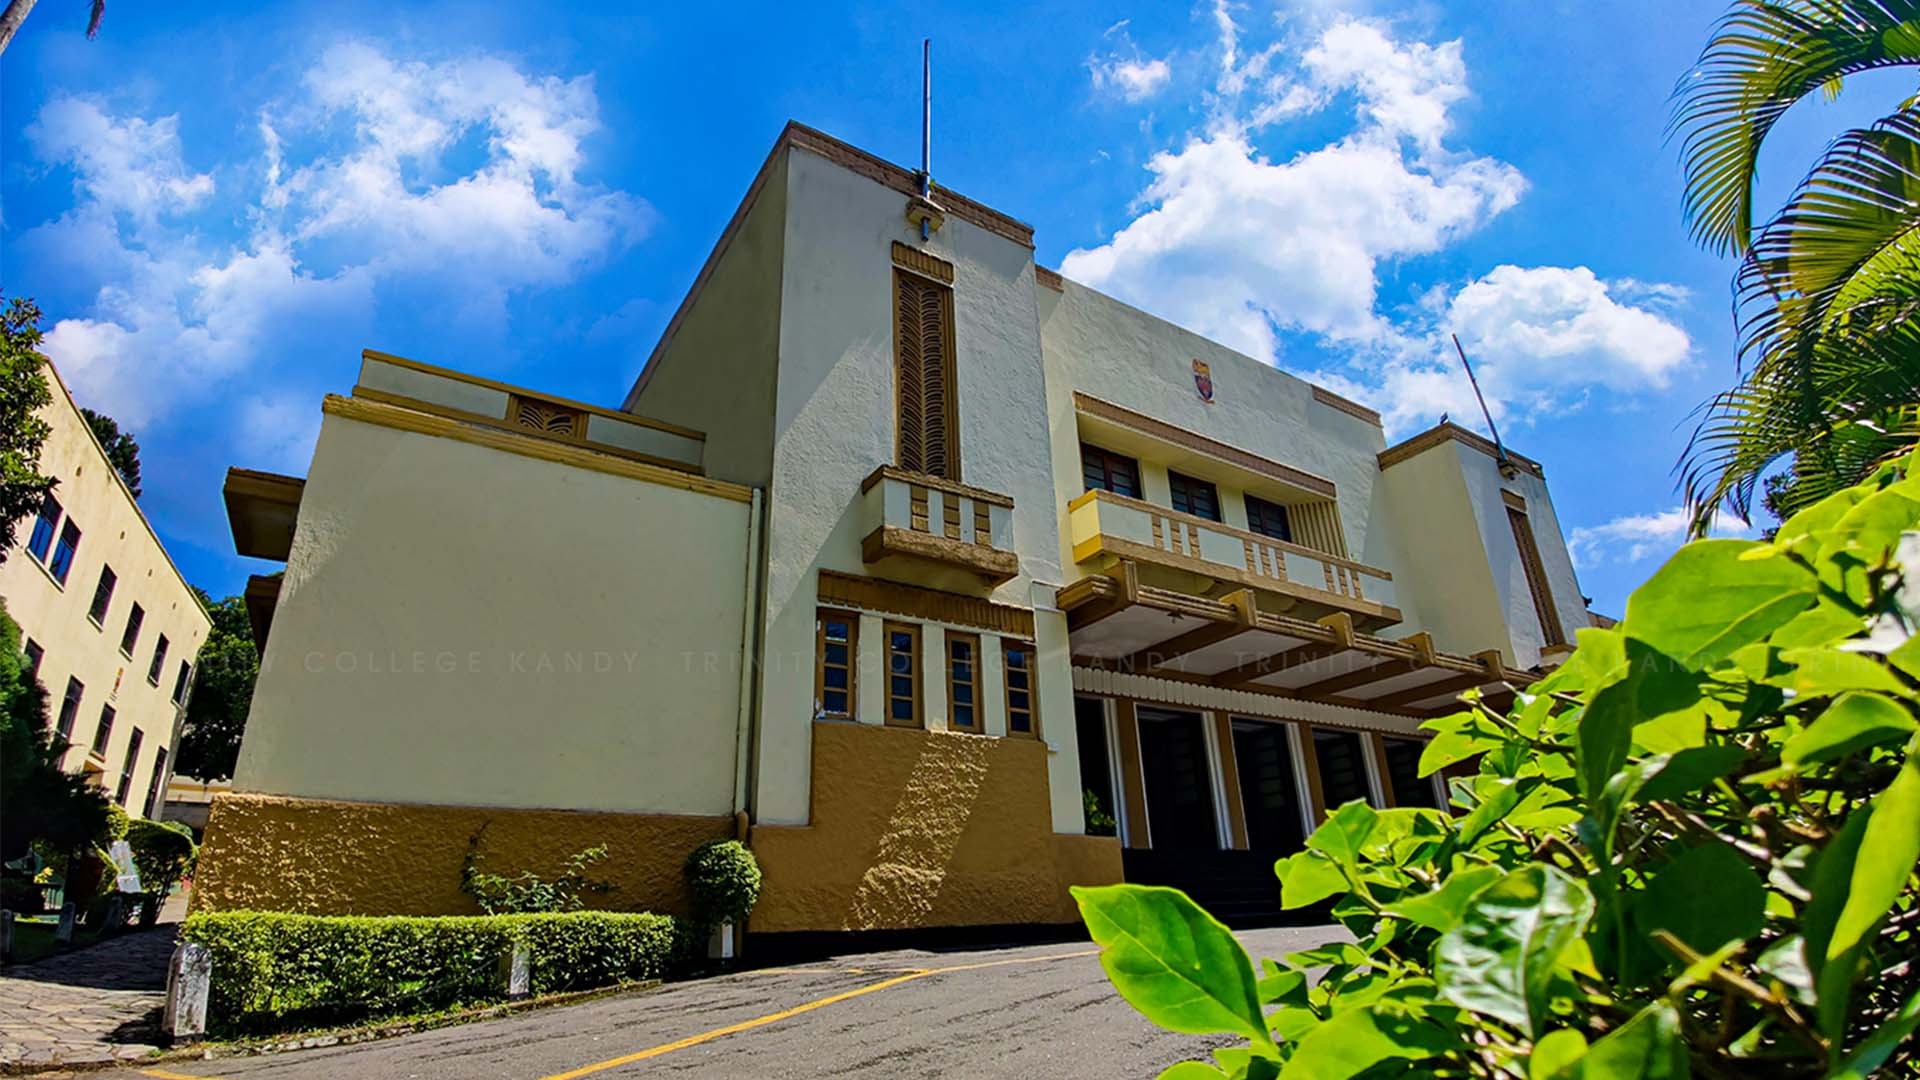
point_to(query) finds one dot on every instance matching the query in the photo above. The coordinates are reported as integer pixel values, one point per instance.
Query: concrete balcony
(1208, 558)
(914, 520)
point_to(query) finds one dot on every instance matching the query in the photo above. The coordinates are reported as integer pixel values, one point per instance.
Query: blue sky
(218, 205)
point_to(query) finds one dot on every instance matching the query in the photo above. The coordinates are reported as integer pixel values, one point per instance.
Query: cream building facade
(110, 627)
(943, 581)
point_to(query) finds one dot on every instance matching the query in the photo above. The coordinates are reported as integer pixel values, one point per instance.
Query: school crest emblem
(1203, 381)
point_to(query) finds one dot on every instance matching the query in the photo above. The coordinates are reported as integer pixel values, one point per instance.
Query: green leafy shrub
(279, 972)
(1690, 850)
(1099, 822)
(724, 879)
(163, 852)
(527, 892)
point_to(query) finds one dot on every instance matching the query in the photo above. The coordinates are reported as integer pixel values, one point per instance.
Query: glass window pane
(903, 686)
(834, 701)
(963, 716)
(1020, 722)
(962, 694)
(836, 678)
(837, 654)
(1019, 700)
(836, 630)
(902, 709)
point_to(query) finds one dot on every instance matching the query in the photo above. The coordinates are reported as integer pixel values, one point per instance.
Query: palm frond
(1766, 55)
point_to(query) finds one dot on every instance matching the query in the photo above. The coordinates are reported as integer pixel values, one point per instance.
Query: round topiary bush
(724, 878)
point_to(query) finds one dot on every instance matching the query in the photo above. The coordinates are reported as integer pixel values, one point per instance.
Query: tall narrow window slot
(1022, 710)
(1550, 630)
(836, 638)
(923, 353)
(903, 675)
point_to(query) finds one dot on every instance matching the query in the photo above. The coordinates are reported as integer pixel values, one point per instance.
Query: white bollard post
(516, 971)
(63, 932)
(720, 946)
(189, 981)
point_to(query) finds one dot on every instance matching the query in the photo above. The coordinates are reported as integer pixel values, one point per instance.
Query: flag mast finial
(923, 213)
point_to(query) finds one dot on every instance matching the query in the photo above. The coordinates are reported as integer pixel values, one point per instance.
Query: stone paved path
(100, 1003)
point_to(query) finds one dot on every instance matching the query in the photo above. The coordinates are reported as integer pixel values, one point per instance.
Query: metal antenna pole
(926, 129)
(1499, 450)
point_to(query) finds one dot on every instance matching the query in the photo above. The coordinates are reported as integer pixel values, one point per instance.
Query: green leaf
(1889, 849)
(1554, 1052)
(1874, 1051)
(1647, 1047)
(1874, 525)
(1456, 738)
(1656, 686)
(1308, 877)
(1192, 1070)
(1440, 909)
(1342, 836)
(1172, 961)
(1500, 958)
(1706, 601)
(1498, 797)
(1278, 985)
(1686, 771)
(1906, 657)
(1853, 722)
(1353, 1042)
(1821, 672)
(1822, 624)
(1706, 897)
(1832, 878)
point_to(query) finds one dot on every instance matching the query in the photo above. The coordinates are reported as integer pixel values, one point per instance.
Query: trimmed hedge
(724, 878)
(278, 972)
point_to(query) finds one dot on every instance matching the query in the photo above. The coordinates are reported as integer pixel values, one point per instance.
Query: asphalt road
(1035, 1012)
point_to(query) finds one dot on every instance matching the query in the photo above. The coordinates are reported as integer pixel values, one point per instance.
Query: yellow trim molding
(1351, 408)
(509, 388)
(577, 456)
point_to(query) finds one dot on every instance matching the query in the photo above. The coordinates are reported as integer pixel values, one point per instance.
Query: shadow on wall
(922, 829)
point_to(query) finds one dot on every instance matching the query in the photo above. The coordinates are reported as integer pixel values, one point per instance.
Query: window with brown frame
(923, 354)
(903, 675)
(1268, 519)
(1023, 708)
(836, 640)
(963, 682)
(1536, 577)
(1194, 496)
(1104, 470)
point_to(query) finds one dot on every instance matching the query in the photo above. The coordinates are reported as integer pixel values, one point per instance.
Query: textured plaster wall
(344, 858)
(834, 424)
(1463, 566)
(466, 626)
(1102, 347)
(113, 533)
(915, 828)
(717, 372)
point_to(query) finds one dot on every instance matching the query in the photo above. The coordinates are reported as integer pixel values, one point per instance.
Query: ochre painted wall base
(270, 853)
(924, 829)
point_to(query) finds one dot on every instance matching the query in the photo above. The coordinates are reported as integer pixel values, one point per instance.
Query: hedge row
(276, 972)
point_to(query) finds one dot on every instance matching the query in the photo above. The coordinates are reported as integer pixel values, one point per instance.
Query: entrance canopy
(1119, 624)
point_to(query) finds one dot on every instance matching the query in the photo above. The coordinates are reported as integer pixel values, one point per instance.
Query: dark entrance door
(1268, 792)
(1173, 755)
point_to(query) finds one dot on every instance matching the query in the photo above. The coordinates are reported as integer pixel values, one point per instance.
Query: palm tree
(1827, 290)
(15, 13)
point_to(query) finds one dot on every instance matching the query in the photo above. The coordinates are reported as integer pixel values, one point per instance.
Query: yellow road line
(784, 1014)
(165, 1075)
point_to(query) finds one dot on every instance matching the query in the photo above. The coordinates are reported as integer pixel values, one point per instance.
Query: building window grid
(45, 524)
(180, 682)
(127, 767)
(70, 707)
(836, 644)
(154, 781)
(1023, 708)
(131, 635)
(1104, 470)
(903, 675)
(159, 661)
(963, 682)
(103, 731)
(1268, 519)
(1194, 496)
(64, 552)
(102, 596)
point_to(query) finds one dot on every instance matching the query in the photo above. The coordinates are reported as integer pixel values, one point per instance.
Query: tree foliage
(1827, 288)
(43, 802)
(224, 673)
(528, 892)
(121, 447)
(1689, 851)
(23, 393)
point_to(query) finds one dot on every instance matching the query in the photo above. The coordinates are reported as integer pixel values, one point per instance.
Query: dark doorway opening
(1403, 774)
(1269, 794)
(1173, 754)
(1343, 767)
(1096, 768)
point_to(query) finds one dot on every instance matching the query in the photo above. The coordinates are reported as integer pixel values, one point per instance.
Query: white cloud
(1635, 537)
(1249, 248)
(460, 180)
(1240, 247)
(1135, 80)
(129, 166)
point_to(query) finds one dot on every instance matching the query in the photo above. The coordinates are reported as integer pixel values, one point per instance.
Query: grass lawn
(33, 938)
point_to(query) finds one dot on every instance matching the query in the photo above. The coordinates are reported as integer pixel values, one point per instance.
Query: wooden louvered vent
(923, 382)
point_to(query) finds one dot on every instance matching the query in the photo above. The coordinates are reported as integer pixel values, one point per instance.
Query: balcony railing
(1105, 524)
(930, 520)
